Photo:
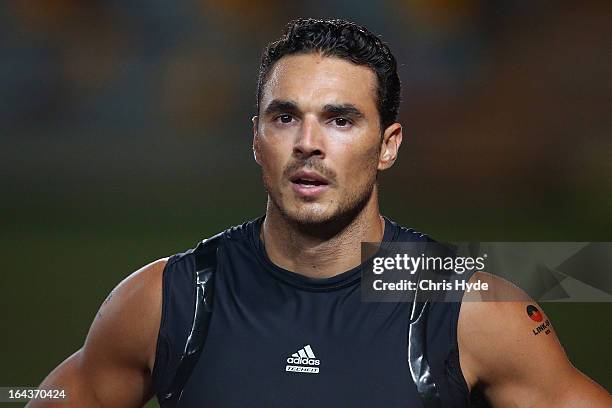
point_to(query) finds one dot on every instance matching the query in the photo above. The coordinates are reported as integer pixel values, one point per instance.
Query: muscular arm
(515, 367)
(113, 368)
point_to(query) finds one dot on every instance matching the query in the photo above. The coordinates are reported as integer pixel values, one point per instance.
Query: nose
(309, 140)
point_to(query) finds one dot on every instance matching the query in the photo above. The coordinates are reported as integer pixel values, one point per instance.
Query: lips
(308, 185)
(308, 178)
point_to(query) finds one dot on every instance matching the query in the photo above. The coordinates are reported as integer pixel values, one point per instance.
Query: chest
(273, 345)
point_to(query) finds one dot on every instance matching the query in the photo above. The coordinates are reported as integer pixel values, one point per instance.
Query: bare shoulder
(495, 324)
(130, 317)
(113, 368)
(508, 348)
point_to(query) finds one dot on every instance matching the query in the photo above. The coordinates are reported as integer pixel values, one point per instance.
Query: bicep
(112, 368)
(95, 384)
(515, 356)
(579, 391)
(68, 378)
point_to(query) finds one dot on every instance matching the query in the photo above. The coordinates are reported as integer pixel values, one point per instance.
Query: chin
(326, 217)
(316, 219)
(309, 216)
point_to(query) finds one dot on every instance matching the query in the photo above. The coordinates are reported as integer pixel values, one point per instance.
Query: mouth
(308, 178)
(308, 184)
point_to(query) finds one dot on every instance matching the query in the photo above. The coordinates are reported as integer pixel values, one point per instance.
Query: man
(288, 327)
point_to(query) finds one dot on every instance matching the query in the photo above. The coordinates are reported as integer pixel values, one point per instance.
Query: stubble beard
(323, 223)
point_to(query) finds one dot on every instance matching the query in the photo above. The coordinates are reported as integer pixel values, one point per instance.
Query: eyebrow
(345, 109)
(278, 106)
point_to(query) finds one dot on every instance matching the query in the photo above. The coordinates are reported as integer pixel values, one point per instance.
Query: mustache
(309, 164)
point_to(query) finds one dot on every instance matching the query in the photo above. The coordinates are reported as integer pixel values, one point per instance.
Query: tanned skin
(113, 368)
(319, 114)
(500, 354)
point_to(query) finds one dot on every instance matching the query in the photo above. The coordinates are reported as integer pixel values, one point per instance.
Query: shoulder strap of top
(418, 359)
(427, 361)
(203, 278)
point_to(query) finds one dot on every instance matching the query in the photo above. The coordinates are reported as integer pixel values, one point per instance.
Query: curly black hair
(341, 39)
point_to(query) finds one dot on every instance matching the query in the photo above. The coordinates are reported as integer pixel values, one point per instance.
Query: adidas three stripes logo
(303, 361)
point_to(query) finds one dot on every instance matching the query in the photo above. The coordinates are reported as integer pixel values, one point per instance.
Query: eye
(284, 118)
(341, 122)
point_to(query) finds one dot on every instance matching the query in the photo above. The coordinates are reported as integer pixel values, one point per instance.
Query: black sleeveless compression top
(280, 339)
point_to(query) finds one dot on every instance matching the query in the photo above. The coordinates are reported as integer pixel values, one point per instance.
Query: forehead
(313, 80)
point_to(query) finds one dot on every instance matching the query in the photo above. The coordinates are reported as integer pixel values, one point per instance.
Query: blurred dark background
(125, 136)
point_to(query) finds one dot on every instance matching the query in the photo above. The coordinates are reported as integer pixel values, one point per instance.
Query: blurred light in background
(125, 132)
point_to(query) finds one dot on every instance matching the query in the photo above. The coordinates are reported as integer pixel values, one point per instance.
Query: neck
(323, 252)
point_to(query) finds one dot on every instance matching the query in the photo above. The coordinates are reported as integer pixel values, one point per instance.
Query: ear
(255, 146)
(392, 139)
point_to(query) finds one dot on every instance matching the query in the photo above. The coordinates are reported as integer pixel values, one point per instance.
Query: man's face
(318, 137)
